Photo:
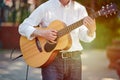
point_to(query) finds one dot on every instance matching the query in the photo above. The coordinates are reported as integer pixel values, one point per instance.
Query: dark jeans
(63, 69)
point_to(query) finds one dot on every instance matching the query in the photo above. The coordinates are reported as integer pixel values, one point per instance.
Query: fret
(69, 28)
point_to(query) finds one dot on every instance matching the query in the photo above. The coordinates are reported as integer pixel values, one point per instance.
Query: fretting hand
(90, 24)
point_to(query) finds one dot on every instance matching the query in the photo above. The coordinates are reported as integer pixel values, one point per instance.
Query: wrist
(90, 33)
(35, 33)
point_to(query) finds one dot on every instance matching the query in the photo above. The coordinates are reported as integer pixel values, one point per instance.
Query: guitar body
(35, 54)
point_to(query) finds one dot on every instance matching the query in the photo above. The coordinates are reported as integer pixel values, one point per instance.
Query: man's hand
(90, 24)
(50, 35)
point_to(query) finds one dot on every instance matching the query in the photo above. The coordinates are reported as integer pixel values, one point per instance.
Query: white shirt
(54, 10)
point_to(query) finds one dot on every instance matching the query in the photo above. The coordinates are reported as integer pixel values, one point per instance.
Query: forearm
(37, 33)
(84, 34)
(26, 31)
(90, 24)
(90, 33)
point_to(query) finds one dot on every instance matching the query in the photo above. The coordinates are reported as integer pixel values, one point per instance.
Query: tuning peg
(106, 16)
(114, 12)
(111, 3)
(107, 6)
(111, 14)
(103, 7)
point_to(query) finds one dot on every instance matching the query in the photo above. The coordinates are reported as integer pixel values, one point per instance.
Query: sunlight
(14, 68)
(108, 79)
(20, 64)
(84, 55)
(4, 71)
(84, 67)
(36, 71)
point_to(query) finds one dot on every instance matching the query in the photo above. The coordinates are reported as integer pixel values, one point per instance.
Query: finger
(53, 30)
(52, 41)
(86, 23)
(54, 34)
(52, 37)
(89, 21)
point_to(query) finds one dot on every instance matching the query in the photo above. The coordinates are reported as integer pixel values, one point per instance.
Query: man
(67, 11)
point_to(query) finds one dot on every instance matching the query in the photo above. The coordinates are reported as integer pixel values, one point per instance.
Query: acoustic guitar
(39, 52)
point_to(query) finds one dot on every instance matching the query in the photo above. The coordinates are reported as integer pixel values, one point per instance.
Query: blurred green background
(108, 29)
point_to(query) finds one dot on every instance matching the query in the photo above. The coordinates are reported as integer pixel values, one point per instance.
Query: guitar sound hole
(49, 46)
(38, 44)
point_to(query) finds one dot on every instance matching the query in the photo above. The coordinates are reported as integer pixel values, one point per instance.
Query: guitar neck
(75, 25)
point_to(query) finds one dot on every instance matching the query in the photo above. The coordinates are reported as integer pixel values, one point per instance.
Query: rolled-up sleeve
(26, 28)
(26, 31)
(83, 35)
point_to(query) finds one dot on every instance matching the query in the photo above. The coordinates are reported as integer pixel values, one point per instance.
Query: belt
(69, 54)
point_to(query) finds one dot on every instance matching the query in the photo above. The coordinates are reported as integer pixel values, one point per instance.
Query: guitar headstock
(109, 9)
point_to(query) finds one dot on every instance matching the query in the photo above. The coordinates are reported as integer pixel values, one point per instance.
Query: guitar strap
(12, 55)
(13, 59)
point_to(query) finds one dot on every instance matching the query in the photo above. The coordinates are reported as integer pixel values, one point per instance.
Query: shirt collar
(68, 5)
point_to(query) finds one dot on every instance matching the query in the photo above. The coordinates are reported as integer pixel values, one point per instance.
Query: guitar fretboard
(75, 25)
